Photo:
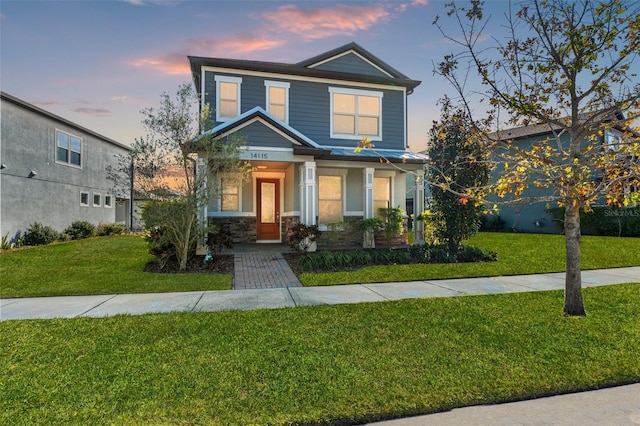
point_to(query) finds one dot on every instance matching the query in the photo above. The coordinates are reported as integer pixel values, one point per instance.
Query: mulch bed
(221, 263)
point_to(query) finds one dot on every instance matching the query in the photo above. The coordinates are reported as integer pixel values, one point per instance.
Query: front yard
(343, 364)
(114, 265)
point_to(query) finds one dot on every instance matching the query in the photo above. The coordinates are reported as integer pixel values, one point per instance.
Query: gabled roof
(306, 68)
(260, 114)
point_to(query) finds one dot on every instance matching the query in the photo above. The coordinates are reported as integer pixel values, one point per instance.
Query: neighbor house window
(107, 201)
(612, 140)
(278, 99)
(329, 199)
(230, 197)
(97, 200)
(227, 97)
(84, 198)
(355, 114)
(68, 149)
(381, 194)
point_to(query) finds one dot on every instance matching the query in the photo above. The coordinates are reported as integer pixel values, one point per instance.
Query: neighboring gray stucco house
(53, 171)
(301, 123)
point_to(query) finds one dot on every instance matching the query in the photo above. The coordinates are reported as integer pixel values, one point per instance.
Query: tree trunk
(573, 304)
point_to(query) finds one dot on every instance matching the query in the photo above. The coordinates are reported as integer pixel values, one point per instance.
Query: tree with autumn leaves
(566, 66)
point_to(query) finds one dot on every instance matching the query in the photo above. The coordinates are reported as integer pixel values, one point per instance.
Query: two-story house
(301, 123)
(53, 171)
(534, 216)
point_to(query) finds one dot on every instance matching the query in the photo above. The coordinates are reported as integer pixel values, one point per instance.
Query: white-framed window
(97, 200)
(330, 197)
(277, 99)
(227, 97)
(381, 194)
(612, 140)
(356, 113)
(84, 199)
(108, 201)
(68, 149)
(230, 194)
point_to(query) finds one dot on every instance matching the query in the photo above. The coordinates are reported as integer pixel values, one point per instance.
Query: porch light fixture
(33, 173)
(3, 166)
(261, 167)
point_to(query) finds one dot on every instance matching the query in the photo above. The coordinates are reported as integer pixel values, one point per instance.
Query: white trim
(88, 203)
(228, 79)
(301, 78)
(356, 93)
(354, 213)
(280, 84)
(346, 53)
(93, 199)
(221, 128)
(55, 151)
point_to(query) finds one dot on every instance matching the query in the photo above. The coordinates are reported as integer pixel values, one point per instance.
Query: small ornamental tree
(457, 164)
(566, 66)
(176, 166)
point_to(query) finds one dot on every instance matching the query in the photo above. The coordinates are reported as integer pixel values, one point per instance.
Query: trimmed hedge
(323, 261)
(604, 220)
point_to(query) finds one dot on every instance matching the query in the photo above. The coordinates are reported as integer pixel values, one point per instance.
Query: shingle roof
(303, 68)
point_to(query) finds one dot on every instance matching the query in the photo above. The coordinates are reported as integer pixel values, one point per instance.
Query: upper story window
(278, 99)
(68, 149)
(227, 97)
(612, 140)
(356, 113)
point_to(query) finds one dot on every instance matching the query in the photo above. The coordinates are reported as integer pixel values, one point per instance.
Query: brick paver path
(262, 267)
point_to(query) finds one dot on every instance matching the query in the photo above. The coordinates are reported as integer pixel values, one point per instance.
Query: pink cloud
(325, 22)
(232, 46)
(169, 63)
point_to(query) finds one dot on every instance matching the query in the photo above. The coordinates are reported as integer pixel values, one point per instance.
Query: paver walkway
(262, 266)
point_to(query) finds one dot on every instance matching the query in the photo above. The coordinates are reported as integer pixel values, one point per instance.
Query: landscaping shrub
(38, 234)
(492, 223)
(435, 253)
(80, 229)
(301, 237)
(218, 239)
(105, 229)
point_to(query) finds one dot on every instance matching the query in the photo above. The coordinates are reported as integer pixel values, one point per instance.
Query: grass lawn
(100, 265)
(517, 254)
(344, 364)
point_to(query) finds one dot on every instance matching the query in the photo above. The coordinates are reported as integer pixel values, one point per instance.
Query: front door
(268, 209)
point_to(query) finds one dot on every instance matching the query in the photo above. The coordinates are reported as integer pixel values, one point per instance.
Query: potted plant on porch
(369, 227)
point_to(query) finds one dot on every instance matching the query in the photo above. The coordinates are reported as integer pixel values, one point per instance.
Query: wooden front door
(268, 209)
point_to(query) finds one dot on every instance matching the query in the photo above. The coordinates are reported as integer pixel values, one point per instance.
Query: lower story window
(97, 200)
(84, 198)
(381, 194)
(329, 199)
(107, 201)
(230, 197)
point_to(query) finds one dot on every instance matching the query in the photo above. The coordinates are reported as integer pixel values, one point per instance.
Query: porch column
(308, 190)
(418, 208)
(368, 192)
(201, 180)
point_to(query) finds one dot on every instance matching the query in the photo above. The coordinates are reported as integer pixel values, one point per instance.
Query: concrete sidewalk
(617, 406)
(273, 298)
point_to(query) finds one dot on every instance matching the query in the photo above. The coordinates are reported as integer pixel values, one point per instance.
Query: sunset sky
(98, 63)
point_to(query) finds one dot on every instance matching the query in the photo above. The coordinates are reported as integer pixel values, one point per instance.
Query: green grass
(344, 364)
(517, 254)
(100, 265)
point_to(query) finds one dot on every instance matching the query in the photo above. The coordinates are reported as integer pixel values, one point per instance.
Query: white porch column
(308, 191)
(368, 192)
(201, 184)
(418, 208)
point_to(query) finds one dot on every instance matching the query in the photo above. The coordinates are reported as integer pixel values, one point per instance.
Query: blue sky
(98, 63)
